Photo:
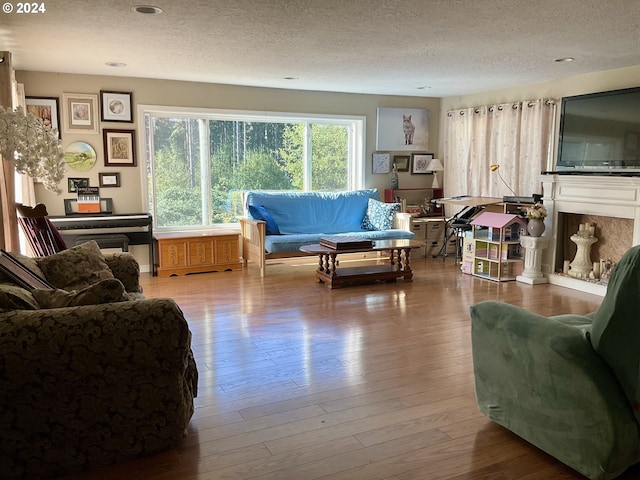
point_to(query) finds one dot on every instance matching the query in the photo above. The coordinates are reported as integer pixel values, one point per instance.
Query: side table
(532, 273)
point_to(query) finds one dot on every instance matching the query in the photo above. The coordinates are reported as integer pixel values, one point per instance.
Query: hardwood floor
(301, 382)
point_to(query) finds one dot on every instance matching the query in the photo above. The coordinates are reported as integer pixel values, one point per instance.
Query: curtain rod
(514, 106)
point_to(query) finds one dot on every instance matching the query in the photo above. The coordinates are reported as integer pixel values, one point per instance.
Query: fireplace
(610, 203)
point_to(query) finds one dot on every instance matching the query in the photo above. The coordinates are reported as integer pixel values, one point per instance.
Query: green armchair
(568, 384)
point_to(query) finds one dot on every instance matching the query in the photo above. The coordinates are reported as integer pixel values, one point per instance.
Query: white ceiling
(392, 47)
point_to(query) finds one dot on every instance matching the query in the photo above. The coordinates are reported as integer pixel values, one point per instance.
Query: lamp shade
(435, 165)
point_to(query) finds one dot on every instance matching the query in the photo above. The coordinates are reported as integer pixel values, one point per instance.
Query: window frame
(356, 163)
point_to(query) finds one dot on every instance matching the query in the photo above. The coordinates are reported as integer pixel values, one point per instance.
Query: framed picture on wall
(80, 113)
(402, 129)
(116, 106)
(402, 162)
(46, 109)
(420, 162)
(74, 184)
(108, 180)
(381, 162)
(119, 148)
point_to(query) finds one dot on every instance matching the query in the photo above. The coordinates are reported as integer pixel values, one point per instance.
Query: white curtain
(517, 136)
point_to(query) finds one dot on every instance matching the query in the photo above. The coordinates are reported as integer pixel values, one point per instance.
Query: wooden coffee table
(399, 264)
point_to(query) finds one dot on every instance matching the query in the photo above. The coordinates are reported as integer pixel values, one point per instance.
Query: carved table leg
(333, 264)
(408, 274)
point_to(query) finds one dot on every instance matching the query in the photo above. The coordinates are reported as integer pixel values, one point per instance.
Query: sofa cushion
(292, 243)
(379, 215)
(615, 330)
(13, 297)
(29, 263)
(314, 212)
(106, 291)
(258, 212)
(75, 268)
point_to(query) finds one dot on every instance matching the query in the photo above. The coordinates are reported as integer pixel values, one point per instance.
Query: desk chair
(43, 237)
(455, 226)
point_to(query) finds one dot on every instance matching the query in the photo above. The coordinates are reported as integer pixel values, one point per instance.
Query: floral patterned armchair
(93, 384)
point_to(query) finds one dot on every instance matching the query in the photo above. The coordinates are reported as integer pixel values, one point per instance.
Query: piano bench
(106, 240)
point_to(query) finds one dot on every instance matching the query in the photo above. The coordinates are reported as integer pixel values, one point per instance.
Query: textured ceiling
(448, 47)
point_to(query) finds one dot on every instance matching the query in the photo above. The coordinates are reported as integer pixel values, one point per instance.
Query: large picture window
(199, 162)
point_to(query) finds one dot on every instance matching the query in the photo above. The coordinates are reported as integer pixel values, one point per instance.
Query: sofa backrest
(615, 331)
(314, 212)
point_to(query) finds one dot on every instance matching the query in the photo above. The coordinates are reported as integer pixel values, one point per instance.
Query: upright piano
(136, 226)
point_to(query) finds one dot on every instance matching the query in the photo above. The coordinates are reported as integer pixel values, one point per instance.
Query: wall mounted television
(600, 133)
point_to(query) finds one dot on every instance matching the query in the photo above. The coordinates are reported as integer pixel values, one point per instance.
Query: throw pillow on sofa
(261, 213)
(13, 297)
(379, 215)
(75, 268)
(106, 291)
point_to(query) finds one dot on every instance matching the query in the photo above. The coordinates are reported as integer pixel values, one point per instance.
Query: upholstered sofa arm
(126, 269)
(541, 378)
(92, 385)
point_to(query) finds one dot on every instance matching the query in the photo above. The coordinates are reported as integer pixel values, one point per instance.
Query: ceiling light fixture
(147, 9)
(425, 87)
(564, 60)
(115, 64)
(292, 78)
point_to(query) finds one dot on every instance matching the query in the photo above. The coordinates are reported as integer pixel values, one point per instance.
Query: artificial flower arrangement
(537, 210)
(33, 147)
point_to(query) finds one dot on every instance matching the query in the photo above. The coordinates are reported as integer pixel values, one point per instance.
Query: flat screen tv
(600, 133)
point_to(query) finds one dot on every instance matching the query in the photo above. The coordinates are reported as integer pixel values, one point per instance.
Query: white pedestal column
(581, 266)
(532, 273)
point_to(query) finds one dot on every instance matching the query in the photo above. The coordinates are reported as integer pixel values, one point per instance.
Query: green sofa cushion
(616, 327)
(13, 297)
(106, 291)
(76, 268)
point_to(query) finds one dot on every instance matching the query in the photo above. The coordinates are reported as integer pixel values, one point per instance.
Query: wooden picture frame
(402, 162)
(420, 163)
(80, 113)
(381, 163)
(74, 183)
(119, 148)
(19, 274)
(116, 106)
(108, 179)
(46, 109)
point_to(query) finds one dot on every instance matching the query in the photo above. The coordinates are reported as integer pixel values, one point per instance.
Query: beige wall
(187, 94)
(576, 85)
(202, 95)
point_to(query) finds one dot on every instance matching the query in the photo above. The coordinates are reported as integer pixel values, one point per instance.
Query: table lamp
(435, 166)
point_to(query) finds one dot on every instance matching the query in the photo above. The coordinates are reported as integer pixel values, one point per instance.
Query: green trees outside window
(198, 166)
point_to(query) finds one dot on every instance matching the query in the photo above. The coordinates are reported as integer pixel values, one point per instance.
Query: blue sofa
(279, 223)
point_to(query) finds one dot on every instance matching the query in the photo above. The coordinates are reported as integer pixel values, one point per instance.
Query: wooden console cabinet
(180, 253)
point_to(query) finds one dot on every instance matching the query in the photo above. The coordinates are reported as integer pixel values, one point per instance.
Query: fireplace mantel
(607, 196)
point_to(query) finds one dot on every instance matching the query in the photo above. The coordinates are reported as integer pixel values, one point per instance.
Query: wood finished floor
(299, 382)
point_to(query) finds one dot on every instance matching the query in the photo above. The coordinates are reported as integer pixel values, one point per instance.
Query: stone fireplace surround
(589, 196)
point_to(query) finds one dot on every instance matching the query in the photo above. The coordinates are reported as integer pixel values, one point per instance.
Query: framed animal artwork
(402, 129)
